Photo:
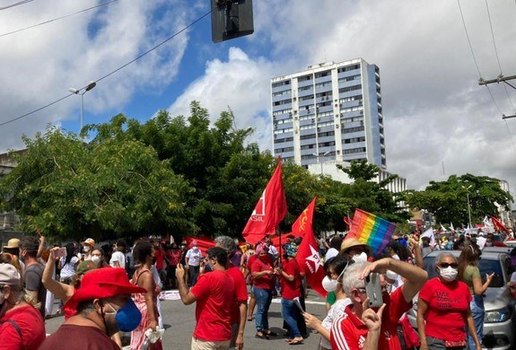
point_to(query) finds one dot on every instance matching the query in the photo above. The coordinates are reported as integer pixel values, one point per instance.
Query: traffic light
(231, 19)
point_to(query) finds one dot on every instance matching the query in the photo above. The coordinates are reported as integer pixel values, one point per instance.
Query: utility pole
(500, 79)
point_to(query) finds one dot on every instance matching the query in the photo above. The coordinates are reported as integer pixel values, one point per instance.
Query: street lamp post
(81, 92)
(469, 206)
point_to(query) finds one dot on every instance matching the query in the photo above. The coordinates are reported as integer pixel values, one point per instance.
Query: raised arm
(60, 290)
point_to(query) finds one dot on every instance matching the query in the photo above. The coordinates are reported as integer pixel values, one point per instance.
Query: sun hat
(350, 243)
(90, 242)
(9, 275)
(13, 243)
(102, 283)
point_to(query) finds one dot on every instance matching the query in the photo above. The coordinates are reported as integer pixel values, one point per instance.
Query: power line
(496, 52)
(112, 72)
(469, 41)
(15, 4)
(56, 19)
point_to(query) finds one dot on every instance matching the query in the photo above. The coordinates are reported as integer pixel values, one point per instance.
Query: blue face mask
(128, 317)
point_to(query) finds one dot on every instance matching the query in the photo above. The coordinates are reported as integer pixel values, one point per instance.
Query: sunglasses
(446, 265)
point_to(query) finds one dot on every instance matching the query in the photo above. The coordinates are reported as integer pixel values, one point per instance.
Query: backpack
(15, 326)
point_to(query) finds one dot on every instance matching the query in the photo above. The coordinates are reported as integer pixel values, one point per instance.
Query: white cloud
(434, 110)
(42, 63)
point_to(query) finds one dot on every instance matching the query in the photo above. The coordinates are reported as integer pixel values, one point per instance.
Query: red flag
(303, 224)
(308, 256)
(269, 211)
(498, 225)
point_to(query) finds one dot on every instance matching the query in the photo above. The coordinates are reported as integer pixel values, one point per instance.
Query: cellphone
(59, 253)
(374, 290)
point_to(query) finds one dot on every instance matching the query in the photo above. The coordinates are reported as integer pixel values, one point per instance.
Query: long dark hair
(141, 251)
(70, 252)
(469, 256)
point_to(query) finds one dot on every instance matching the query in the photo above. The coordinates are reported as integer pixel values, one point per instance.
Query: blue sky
(434, 110)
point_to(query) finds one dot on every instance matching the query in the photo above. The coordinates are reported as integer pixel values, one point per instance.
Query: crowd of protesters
(110, 291)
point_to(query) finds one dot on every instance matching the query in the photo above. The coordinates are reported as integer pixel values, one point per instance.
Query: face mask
(448, 274)
(127, 317)
(86, 249)
(329, 284)
(360, 258)
(195, 248)
(95, 259)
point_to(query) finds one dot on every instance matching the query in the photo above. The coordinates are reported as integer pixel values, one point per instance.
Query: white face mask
(391, 275)
(448, 274)
(95, 259)
(360, 258)
(329, 284)
(86, 249)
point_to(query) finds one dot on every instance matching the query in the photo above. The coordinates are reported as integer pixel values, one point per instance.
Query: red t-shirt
(31, 324)
(174, 257)
(160, 259)
(349, 332)
(291, 290)
(240, 292)
(70, 336)
(447, 309)
(215, 293)
(265, 281)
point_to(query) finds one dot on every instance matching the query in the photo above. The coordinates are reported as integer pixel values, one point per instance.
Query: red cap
(101, 283)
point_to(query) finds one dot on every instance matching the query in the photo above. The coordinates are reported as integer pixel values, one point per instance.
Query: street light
(81, 92)
(323, 156)
(469, 207)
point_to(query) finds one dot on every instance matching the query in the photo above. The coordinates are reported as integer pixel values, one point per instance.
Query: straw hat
(350, 243)
(13, 243)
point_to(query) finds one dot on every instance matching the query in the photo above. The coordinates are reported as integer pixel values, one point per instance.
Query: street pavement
(179, 322)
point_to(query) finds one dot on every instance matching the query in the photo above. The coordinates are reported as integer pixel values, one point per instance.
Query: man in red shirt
(349, 332)
(239, 310)
(21, 325)
(214, 293)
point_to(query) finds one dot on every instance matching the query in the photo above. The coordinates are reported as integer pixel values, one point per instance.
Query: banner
(308, 256)
(269, 211)
(371, 230)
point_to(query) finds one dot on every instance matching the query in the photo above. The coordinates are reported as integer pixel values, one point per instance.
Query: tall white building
(329, 112)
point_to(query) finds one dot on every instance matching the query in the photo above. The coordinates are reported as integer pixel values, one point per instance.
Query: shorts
(209, 345)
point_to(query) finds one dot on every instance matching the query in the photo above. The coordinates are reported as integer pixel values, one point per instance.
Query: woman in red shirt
(290, 275)
(444, 305)
(262, 271)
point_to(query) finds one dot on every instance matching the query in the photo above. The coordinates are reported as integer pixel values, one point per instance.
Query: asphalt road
(179, 322)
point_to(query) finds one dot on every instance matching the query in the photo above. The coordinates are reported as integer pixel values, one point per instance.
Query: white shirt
(194, 257)
(68, 270)
(117, 257)
(335, 312)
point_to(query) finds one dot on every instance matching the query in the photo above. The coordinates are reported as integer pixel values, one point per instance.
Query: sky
(438, 120)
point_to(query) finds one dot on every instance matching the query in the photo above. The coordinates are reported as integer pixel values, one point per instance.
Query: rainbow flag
(371, 230)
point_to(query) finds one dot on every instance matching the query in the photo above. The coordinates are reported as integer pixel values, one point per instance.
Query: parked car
(500, 316)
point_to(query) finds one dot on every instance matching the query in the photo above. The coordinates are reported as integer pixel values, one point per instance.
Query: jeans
(478, 312)
(263, 302)
(289, 312)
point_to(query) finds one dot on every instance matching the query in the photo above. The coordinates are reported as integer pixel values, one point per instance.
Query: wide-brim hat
(350, 243)
(90, 242)
(102, 283)
(13, 243)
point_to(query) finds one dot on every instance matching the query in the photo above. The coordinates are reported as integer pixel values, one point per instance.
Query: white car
(500, 316)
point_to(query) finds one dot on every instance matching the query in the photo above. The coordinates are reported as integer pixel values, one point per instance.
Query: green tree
(117, 188)
(448, 200)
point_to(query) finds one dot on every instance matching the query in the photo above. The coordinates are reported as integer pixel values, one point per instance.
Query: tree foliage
(178, 175)
(448, 200)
